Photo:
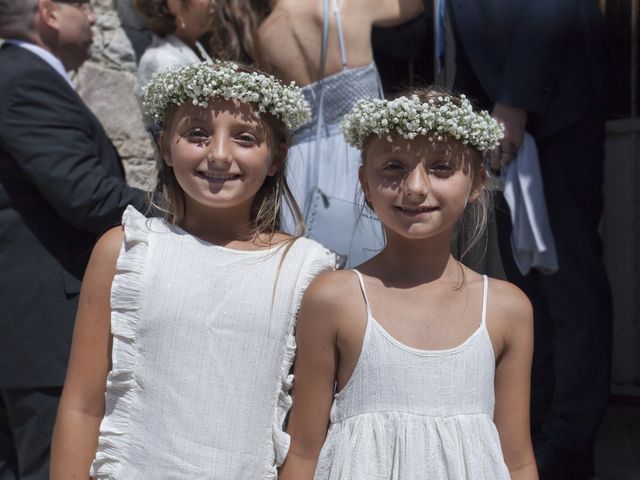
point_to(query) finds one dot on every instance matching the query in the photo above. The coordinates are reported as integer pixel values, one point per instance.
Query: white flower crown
(410, 117)
(200, 82)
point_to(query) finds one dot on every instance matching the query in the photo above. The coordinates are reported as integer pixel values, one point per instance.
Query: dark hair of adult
(159, 18)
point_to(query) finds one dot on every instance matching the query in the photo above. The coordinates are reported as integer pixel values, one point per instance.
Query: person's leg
(578, 295)
(8, 458)
(31, 415)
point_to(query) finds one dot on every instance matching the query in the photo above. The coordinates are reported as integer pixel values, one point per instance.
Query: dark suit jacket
(61, 185)
(549, 57)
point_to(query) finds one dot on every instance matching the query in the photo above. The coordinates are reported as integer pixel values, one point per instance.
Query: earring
(181, 21)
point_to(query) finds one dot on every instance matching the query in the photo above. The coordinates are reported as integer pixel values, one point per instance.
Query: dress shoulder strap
(485, 291)
(325, 34)
(343, 48)
(364, 293)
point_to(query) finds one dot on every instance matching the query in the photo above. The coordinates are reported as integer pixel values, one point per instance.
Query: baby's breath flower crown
(410, 117)
(200, 82)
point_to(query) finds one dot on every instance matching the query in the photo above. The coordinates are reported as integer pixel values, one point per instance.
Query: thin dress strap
(364, 294)
(485, 291)
(343, 49)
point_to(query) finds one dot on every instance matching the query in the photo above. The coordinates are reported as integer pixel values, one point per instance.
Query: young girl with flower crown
(188, 320)
(417, 365)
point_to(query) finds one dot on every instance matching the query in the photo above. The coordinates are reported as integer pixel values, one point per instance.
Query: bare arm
(513, 382)
(389, 13)
(82, 405)
(315, 371)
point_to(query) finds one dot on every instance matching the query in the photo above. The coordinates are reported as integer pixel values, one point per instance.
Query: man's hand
(514, 120)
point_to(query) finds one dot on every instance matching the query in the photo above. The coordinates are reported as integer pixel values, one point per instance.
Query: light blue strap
(314, 171)
(343, 49)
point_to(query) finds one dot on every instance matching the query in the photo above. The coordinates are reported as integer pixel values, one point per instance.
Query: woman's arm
(389, 13)
(315, 371)
(82, 405)
(514, 318)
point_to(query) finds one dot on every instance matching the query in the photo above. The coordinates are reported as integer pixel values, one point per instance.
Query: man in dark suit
(61, 185)
(543, 65)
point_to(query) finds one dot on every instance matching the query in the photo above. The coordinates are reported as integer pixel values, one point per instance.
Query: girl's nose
(417, 182)
(219, 150)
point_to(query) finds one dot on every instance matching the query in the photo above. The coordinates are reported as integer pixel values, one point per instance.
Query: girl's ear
(164, 153)
(478, 184)
(278, 160)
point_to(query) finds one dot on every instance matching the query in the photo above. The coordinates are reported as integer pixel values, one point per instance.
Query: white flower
(410, 117)
(200, 82)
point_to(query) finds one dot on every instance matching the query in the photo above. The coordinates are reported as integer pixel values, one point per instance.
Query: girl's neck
(219, 226)
(410, 261)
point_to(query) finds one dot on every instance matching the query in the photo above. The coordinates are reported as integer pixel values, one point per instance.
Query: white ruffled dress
(202, 348)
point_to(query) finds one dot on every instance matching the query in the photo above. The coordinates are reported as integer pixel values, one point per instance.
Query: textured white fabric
(409, 414)
(202, 347)
(531, 238)
(164, 53)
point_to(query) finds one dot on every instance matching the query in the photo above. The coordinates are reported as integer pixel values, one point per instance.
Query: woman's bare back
(290, 38)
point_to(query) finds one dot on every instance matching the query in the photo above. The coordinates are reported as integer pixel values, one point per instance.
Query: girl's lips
(414, 211)
(217, 177)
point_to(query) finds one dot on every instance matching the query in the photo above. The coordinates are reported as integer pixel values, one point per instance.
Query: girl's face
(220, 154)
(418, 188)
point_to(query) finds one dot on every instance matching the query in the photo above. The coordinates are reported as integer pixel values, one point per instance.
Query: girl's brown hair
(473, 224)
(158, 16)
(273, 195)
(234, 30)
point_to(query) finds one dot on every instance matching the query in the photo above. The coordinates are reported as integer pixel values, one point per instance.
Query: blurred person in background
(61, 185)
(177, 27)
(543, 66)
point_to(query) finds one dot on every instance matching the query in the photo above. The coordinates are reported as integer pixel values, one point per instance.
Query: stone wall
(107, 80)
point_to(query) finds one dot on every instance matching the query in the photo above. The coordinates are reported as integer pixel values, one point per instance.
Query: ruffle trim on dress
(323, 260)
(121, 384)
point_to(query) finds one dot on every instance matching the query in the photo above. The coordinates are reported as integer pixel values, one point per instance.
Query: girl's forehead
(420, 145)
(244, 112)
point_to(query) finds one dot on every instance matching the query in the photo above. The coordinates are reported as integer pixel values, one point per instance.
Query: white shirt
(164, 53)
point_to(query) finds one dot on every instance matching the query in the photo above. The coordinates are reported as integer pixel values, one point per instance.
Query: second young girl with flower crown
(430, 360)
(189, 320)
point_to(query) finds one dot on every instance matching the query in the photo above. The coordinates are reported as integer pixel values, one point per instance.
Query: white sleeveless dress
(202, 348)
(410, 414)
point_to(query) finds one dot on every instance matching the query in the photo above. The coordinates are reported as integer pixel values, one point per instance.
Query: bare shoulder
(508, 300)
(110, 242)
(106, 251)
(333, 290)
(508, 309)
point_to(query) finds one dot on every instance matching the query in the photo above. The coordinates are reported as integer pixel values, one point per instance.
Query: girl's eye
(393, 167)
(442, 169)
(197, 135)
(246, 138)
